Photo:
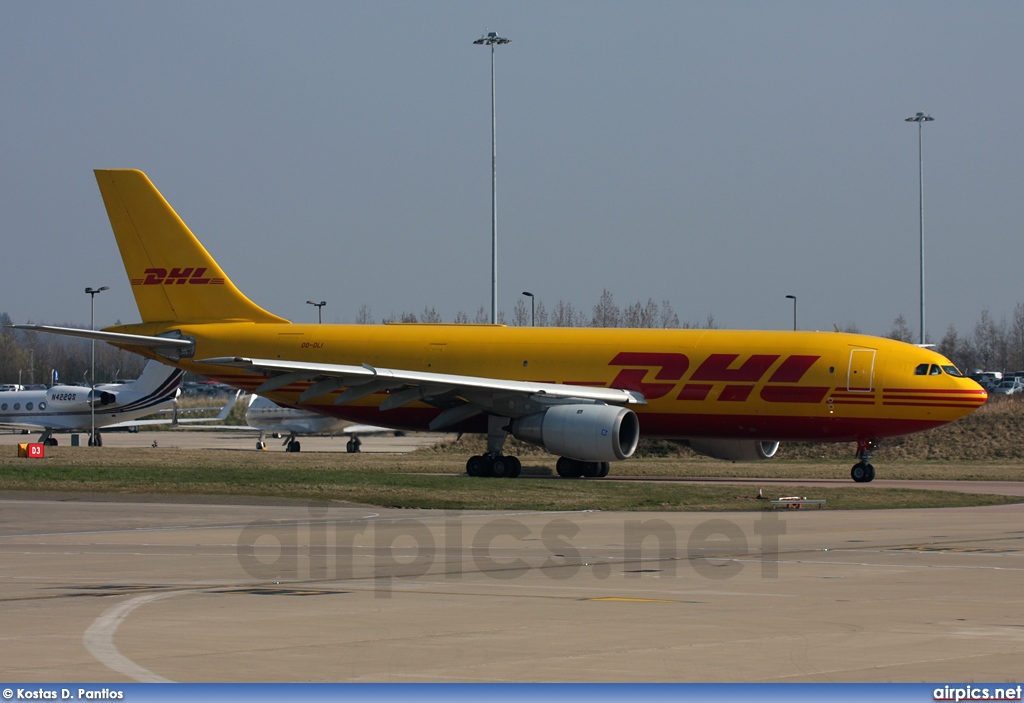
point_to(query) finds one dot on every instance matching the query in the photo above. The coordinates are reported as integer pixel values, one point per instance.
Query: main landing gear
(498, 466)
(494, 464)
(353, 444)
(863, 471)
(574, 468)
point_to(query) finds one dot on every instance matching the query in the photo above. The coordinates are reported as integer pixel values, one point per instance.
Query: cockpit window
(952, 371)
(921, 370)
(935, 370)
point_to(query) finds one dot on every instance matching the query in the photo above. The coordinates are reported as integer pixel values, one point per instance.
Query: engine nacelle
(734, 449)
(582, 431)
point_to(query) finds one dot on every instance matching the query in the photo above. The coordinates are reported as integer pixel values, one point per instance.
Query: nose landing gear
(863, 471)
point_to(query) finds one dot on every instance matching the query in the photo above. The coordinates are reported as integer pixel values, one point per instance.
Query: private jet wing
(175, 421)
(461, 397)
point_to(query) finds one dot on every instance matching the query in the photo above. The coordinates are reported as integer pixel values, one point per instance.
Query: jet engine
(588, 432)
(733, 449)
(73, 398)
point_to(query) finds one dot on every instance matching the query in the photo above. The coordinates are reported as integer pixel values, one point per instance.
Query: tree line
(31, 357)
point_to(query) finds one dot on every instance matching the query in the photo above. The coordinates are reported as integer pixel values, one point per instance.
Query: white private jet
(266, 416)
(70, 408)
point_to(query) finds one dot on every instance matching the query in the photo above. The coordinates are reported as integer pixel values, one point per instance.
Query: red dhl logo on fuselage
(180, 276)
(718, 368)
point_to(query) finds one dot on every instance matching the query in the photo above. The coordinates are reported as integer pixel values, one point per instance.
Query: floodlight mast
(319, 308)
(491, 39)
(920, 118)
(533, 310)
(92, 293)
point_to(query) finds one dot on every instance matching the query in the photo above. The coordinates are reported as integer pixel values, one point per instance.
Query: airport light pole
(92, 293)
(793, 297)
(319, 308)
(533, 310)
(491, 39)
(920, 118)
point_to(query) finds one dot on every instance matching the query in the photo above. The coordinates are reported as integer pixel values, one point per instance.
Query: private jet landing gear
(494, 464)
(863, 471)
(292, 445)
(96, 441)
(352, 446)
(574, 468)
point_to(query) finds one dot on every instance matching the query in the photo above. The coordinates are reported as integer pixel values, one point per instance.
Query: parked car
(1008, 387)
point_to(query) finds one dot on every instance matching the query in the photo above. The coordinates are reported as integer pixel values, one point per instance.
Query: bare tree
(606, 312)
(430, 314)
(565, 315)
(900, 331)
(482, 318)
(521, 314)
(461, 318)
(1016, 339)
(667, 318)
(364, 316)
(540, 315)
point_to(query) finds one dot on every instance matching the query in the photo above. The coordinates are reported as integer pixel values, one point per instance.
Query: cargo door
(861, 371)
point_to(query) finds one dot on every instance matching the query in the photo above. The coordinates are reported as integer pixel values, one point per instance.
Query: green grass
(433, 479)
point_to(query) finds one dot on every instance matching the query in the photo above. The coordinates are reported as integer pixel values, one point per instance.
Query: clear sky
(719, 155)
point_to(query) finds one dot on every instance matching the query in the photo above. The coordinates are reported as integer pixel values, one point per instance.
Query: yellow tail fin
(173, 277)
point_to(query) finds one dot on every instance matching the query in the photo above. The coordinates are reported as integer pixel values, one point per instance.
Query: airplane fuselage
(68, 408)
(779, 386)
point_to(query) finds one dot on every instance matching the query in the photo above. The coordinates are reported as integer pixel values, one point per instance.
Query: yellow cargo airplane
(587, 395)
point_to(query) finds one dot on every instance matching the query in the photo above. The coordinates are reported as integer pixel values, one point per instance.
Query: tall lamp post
(491, 39)
(793, 298)
(92, 293)
(533, 310)
(920, 118)
(319, 308)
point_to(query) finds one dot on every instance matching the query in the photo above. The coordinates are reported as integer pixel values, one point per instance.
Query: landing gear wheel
(293, 446)
(352, 447)
(591, 469)
(475, 466)
(605, 469)
(506, 467)
(862, 472)
(261, 445)
(569, 468)
(516, 468)
(500, 467)
(50, 442)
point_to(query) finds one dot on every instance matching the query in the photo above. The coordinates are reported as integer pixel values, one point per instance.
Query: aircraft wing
(460, 397)
(22, 425)
(139, 340)
(175, 421)
(365, 430)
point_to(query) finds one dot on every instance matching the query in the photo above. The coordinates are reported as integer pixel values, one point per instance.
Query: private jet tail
(158, 381)
(173, 277)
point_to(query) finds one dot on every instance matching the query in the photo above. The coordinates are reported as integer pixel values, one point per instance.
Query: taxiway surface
(122, 590)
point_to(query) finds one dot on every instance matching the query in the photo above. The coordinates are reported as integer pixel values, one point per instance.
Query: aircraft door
(860, 373)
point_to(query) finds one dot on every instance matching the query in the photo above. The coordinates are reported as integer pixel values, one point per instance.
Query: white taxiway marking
(99, 639)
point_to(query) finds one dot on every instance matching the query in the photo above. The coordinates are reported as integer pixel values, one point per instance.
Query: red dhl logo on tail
(739, 380)
(176, 276)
